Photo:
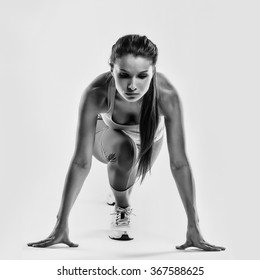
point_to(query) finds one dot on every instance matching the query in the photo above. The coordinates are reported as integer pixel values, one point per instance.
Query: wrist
(61, 223)
(193, 222)
(193, 225)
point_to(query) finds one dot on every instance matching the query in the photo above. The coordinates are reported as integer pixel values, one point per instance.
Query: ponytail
(148, 125)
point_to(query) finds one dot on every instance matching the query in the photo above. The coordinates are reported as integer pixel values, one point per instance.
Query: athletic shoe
(120, 225)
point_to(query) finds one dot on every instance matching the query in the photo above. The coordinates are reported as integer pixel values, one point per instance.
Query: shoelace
(122, 216)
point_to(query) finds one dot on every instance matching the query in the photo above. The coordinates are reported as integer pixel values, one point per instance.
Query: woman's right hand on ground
(58, 235)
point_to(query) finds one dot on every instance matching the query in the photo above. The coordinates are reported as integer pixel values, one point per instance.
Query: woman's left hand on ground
(195, 239)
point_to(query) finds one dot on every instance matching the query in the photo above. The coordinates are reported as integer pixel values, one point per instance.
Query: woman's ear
(154, 70)
(111, 68)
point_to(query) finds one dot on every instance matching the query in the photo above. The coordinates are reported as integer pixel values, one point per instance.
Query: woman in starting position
(123, 115)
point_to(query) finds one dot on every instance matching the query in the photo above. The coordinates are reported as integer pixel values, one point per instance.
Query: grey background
(51, 50)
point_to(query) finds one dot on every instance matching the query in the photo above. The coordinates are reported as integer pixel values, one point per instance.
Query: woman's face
(132, 76)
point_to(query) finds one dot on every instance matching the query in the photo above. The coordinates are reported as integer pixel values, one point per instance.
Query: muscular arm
(81, 161)
(93, 102)
(180, 168)
(179, 164)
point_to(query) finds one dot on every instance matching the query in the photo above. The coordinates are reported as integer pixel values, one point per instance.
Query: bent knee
(124, 150)
(118, 148)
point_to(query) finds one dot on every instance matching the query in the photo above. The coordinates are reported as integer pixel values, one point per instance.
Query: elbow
(179, 165)
(85, 165)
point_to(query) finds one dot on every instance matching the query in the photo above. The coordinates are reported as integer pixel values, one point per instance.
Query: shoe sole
(111, 204)
(124, 237)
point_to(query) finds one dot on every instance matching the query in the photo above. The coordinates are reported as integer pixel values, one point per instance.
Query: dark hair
(141, 46)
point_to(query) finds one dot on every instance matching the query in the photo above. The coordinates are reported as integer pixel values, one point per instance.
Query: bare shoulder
(95, 95)
(168, 96)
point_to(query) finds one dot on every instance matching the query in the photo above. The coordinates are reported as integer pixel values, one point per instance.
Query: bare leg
(122, 197)
(120, 153)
